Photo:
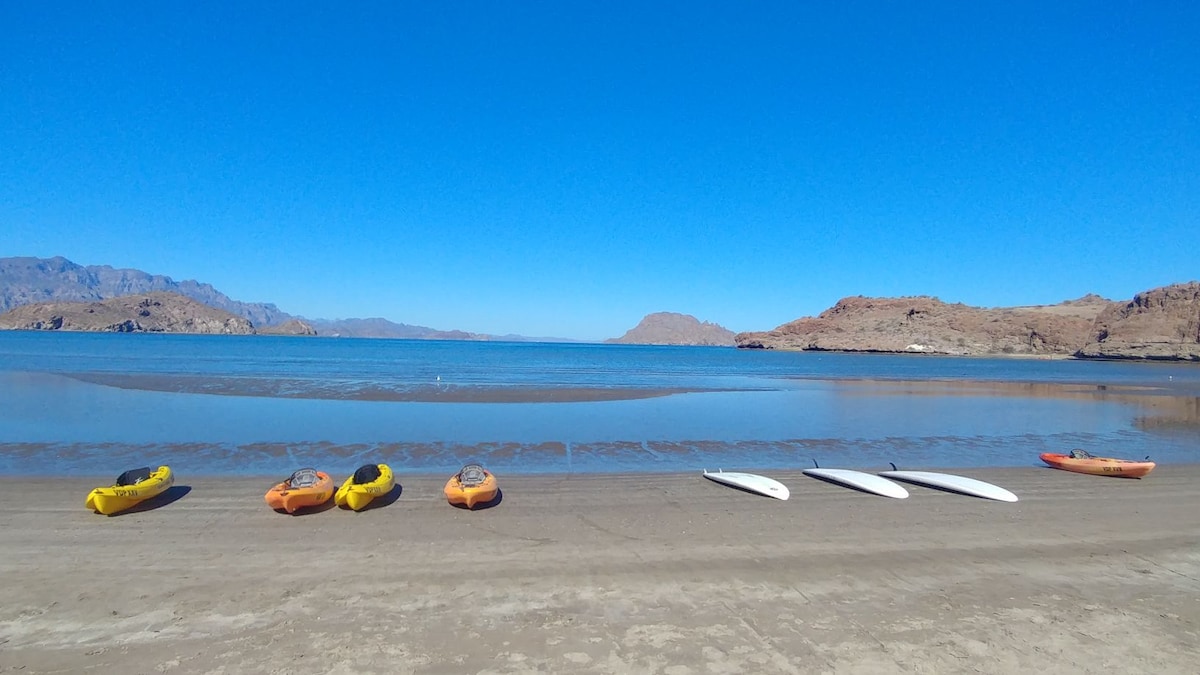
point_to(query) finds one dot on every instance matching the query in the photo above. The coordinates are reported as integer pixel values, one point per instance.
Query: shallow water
(94, 403)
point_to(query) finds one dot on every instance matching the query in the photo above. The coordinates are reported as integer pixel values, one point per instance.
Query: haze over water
(95, 403)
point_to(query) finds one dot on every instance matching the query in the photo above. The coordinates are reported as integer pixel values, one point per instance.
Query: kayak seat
(134, 476)
(1080, 454)
(365, 474)
(472, 475)
(303, 478)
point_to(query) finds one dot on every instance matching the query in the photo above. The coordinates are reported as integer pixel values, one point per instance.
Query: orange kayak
(306, 487)
(472, 486)
(1099, 466)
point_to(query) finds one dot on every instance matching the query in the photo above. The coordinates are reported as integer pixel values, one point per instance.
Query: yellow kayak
(369, 482)
(132, 488)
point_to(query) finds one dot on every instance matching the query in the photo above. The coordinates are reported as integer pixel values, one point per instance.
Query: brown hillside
(924, 324)
(144, 313)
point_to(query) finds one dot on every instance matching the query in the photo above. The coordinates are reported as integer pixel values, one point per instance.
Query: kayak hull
(117, 498)
(1099, 466)
(471, 496)
(357, 496)
(283, 497)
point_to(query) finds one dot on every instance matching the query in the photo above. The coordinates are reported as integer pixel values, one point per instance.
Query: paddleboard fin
(815, 465)
(893, 466)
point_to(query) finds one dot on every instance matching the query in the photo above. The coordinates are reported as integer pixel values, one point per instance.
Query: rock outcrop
(143, 313)
(1163, 323)
(289, 327)
(924, 324)
(670, 328)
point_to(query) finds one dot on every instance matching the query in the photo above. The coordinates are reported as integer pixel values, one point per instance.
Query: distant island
(670, 328)
(1158, 324)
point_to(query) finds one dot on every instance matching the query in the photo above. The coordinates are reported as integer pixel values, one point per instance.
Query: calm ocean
(94, 403)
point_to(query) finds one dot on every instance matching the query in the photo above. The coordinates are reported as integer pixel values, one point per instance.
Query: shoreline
(988, 473)
(612, 574)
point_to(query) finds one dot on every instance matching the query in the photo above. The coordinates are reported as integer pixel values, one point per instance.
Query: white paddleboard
(768, 487)
(946, 481)
(868, 482)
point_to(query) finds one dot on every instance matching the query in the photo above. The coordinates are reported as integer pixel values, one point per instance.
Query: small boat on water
(472, 486)
(369, 482)
(130, 489)
(1081, 461)
(306, 487)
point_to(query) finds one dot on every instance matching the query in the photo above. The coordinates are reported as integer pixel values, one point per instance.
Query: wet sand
(611, 574)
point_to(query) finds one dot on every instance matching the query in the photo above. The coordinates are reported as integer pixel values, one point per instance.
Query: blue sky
(564, 168)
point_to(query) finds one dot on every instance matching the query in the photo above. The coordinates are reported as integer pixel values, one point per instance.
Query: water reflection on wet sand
(862, 423)
(1163, 406)
(360, 391)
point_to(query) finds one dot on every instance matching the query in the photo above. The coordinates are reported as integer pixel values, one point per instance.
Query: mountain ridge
(27, 280)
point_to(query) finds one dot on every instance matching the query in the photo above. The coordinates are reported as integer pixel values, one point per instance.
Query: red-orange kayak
(306, 487)
(1099, 466)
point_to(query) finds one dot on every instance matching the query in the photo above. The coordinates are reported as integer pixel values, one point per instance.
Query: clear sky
(563, 168)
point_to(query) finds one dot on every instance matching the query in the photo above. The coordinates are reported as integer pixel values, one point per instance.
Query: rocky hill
(1155, 325)
(143, 313)
(289, 327)
(670, 328)
(25, 281)
(1163, 323)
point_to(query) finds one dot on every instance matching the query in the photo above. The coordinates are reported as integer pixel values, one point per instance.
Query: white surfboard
(768, 487)
(946, 481)
(867, 482)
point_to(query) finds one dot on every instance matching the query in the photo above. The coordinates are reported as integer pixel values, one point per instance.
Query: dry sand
(611, 574)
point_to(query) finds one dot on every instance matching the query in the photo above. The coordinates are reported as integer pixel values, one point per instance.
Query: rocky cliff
(143, 313)
(1163, 323)
(670, 328)
(25, 281)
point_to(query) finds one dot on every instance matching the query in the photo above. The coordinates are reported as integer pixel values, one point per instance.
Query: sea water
(93, 403)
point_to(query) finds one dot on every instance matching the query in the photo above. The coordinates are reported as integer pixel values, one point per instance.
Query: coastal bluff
(671, 328)
(159, 312)
(1158, 324)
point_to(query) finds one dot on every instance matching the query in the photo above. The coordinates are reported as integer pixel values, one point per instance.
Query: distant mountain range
(29, 281)
(24, 281)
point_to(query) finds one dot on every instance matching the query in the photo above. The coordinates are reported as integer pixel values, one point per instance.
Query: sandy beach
(610, 574)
